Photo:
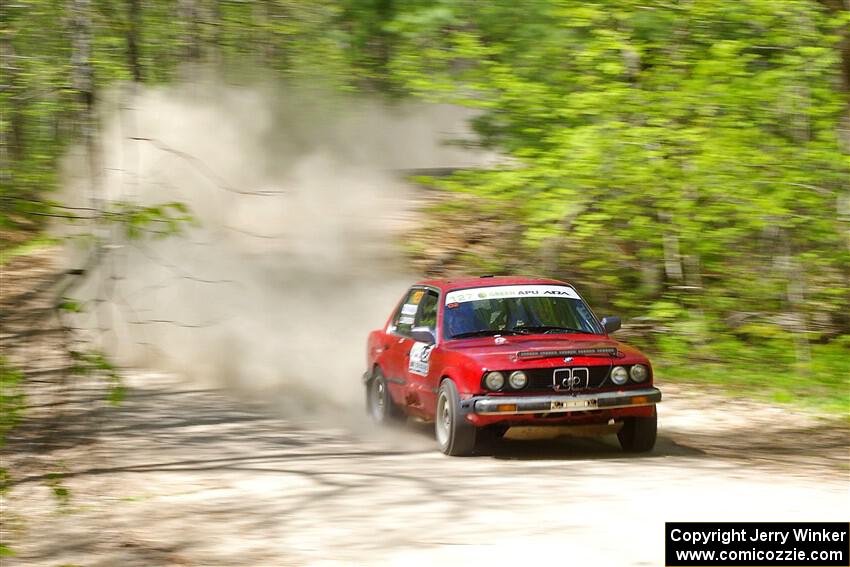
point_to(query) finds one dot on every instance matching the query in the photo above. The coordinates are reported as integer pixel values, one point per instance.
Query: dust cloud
(295, 257)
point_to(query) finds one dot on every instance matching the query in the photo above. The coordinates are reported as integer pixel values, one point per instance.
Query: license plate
(573, 404)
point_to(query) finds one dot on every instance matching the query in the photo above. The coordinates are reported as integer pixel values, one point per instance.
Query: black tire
(379, 402)
(498, 431)
(455, 435)
(638, 434)
(491, 433)
(488, 439)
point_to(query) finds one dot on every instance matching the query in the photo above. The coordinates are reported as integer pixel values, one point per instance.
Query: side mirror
(611, 324)
(423, 335)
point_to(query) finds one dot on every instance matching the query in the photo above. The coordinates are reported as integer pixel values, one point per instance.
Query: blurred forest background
(685, 163)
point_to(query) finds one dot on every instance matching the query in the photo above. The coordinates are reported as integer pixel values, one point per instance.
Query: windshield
(517, 310)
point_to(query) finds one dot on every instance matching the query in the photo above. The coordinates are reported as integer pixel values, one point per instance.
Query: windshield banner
(510, 291)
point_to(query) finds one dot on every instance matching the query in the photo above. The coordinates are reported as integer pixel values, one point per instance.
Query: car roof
(450, 284)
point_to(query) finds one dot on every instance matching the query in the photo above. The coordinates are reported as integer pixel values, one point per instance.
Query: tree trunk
(82, 73)
(670, 245)
(11, 135)
(217, 33)
(134, 13)
(82, 81)
(188, 11)
(837, 6)
(845, 84)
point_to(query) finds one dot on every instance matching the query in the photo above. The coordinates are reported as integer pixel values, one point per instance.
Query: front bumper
(519, 405)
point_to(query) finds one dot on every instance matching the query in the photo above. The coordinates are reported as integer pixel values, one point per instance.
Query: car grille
(542, 379)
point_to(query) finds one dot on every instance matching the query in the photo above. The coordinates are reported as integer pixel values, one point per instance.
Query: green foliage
(677, 161)
(70, 305)
(97, 363)
(60, 491)
(11, 409)
(42, 113)
(27, 247)
(11, 398)
(161, 221)
(768, 370)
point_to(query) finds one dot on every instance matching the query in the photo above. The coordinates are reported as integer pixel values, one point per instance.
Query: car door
(418, 378)
(397, 344)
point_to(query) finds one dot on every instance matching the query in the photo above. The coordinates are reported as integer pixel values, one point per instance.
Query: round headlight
(619, 375)
(518, 380)
(639, 372)
(494, 380)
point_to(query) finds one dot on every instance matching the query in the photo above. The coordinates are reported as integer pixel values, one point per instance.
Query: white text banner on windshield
(510, 292)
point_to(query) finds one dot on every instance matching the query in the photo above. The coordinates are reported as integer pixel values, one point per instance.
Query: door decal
(420, 357)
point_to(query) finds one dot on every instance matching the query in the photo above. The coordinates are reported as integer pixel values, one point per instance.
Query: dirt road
(179, 475)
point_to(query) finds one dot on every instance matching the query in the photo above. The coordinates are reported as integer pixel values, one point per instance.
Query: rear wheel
(638, 434)
(455, 435)
(379, 401)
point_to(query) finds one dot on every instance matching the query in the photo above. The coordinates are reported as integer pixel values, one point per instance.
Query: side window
(406, 315)
(427, 314)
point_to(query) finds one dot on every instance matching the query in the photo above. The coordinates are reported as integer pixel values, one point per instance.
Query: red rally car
(479, 355)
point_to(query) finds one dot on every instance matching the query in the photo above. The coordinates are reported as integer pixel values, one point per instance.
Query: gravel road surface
(183, 475)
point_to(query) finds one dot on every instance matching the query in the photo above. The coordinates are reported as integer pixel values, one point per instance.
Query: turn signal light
(506, 407)
(640, 400)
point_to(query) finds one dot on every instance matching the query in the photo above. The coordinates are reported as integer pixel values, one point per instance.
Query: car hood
(544, 351)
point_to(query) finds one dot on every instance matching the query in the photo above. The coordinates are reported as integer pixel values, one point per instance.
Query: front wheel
(638, 434)
(455, 435)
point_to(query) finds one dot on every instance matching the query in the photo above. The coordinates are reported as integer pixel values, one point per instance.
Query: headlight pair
(496, 380)
(638, 373)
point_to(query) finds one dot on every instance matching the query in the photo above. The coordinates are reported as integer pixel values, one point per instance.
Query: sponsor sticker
(420, 358)
(417, 297)
(510, 292)
(405, 320)
(408, 309)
